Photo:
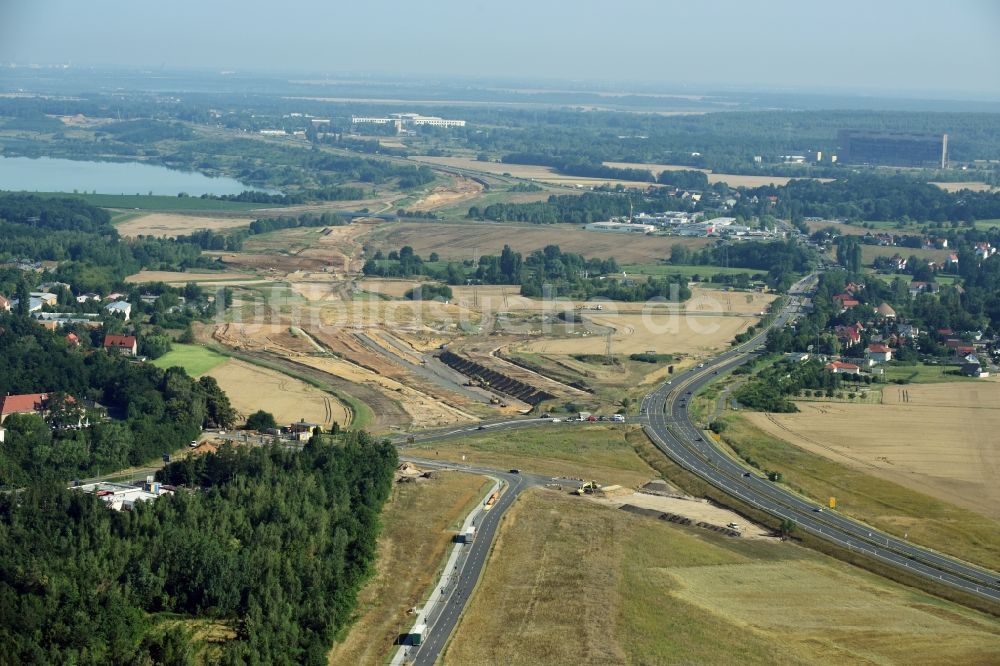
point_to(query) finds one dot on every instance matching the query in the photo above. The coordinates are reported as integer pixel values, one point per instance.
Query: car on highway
(818, 509)
(515, 470)
(556, 420)
(746, 475)
(482, 427)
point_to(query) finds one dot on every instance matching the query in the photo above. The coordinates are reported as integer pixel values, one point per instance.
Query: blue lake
(46, 174)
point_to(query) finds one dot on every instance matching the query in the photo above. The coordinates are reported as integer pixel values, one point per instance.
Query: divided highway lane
(671, 428)
(459, 593)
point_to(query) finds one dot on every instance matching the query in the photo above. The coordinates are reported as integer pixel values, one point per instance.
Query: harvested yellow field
(507, 298)
(457, 242)
(844, 229)
(733, 180)
(666, 333)
(972, 185)
(391, 288)
(175, 224)
(251, 388)
(736, 302)
(938, 439)
(177, 277)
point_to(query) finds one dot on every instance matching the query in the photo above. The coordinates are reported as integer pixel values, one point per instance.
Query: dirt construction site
(301, 306)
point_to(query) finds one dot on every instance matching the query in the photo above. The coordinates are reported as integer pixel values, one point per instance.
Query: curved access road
(668, 422)
(472, 563)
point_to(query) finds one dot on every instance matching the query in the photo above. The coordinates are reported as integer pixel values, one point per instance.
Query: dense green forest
(782, 260)
(155, 411)
(548, 272)
(872, 197)
(272, 543)
(81, 236)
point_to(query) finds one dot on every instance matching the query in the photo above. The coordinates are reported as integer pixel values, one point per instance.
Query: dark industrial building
(909, 149)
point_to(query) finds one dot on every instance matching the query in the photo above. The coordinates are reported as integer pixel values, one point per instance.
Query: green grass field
(685, 270)
(598, 452)
(924, 374)
(195, 360)
(155, 202)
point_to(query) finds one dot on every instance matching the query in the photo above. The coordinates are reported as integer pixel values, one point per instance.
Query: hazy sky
(923, 47)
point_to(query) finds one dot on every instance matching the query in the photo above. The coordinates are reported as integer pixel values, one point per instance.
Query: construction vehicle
(588, 487)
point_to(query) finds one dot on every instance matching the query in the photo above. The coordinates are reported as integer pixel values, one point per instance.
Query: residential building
(840, 367)
(878, 353)
(849, 335)
(26, 403)
(120, 308)
(4, 304)
(73, 339)
(83, 298)
(984, 250)
(45, 297)
(125, 345)
(908, 331)
(34, 304)
(922, 288)
(54, 320)
(3, 434)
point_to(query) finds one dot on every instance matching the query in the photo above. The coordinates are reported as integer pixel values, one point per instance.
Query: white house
(878, 353)
(121, 308)
(3, 434)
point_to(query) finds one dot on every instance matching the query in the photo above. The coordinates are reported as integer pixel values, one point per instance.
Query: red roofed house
(878, 353)
(73, 339)
(121, 344)
(838, 367)
(28, 403)
(846, 301)
(849, 335)
(4, 304)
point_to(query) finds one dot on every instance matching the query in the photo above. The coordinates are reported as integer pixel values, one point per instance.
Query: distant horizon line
(625, 85)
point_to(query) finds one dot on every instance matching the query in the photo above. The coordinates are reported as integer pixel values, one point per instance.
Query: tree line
(271, 543)
(154, 411)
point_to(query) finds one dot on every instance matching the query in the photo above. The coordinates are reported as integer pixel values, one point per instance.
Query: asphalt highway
(668, 423)
(665, 417)
(460, 590)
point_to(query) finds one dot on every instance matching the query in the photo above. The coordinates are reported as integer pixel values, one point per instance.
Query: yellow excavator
(588, 487)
